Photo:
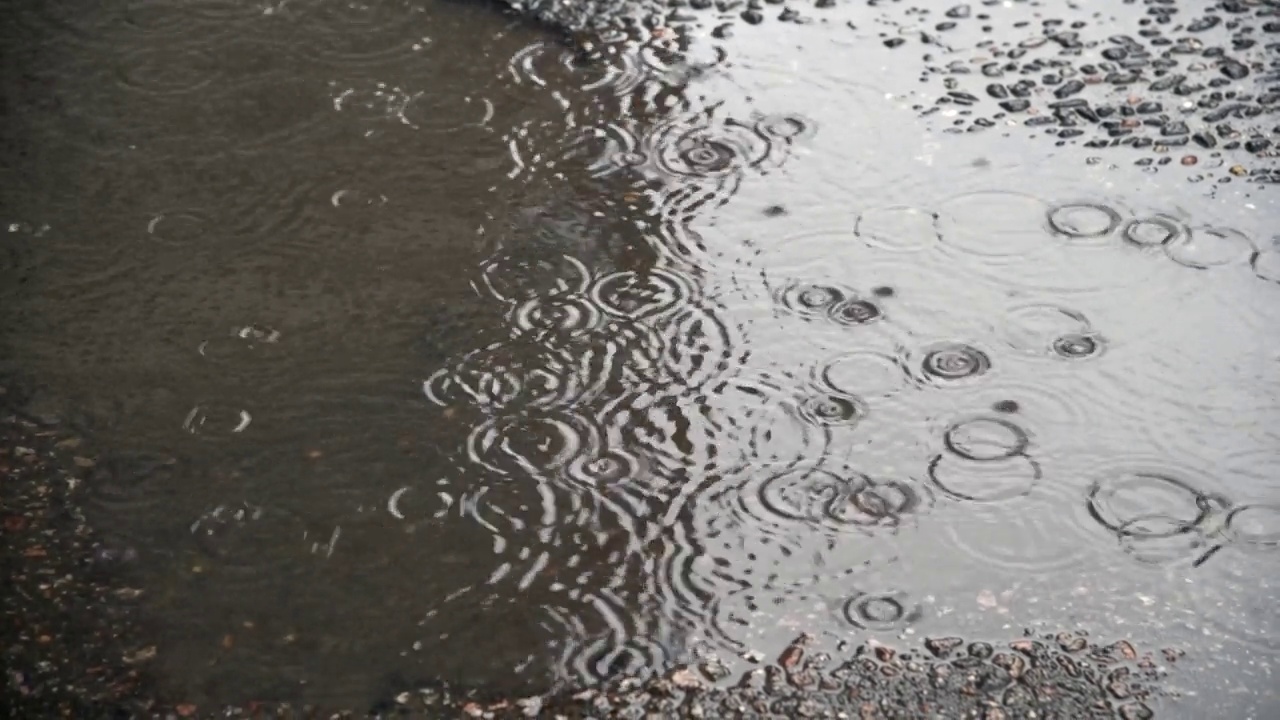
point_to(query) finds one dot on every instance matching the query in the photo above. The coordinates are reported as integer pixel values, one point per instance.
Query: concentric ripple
(951, 362)
(883, 611)
(247, 544)
(1084, 220)
(855, 311)
(1206, 247)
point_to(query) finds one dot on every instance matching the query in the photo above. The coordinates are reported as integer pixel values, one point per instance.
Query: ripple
(1255, 527)
(512, 278)
(610, 68)
(497, 376)
(247, 544)
(349, 34)
(1021, 529)
(865, 374)
(1266, 264)
(239, 343)
(417, 109)
(128, 483)
(789, 498)
(853, 311)
(1229, 596)
(216, 420)
(787, 127)
(531, 445)
(562, 317)
(985, 481)
(159, 72)
(950, 362)
(993, 225)
(652, 294)
(179, 228)
(1154, 231)
(831, 409)
(1084, 220)
(898, 228)
(700, 346)
(1206, 247)
(882, 612)
(692, 147)
(812, 300)
(1074, 346)
(986, 438)
(1151, 504)
(1035, 329)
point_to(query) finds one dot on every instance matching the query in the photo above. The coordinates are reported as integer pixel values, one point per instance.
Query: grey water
(426, 346)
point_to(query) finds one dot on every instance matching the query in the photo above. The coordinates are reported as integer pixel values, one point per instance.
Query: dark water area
(428, 344)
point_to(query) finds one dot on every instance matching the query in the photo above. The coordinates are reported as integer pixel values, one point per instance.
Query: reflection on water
(433, 348)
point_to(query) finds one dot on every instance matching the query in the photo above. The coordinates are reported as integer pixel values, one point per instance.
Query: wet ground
(411, 345)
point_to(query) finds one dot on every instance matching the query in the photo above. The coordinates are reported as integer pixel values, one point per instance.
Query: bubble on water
(1083, 220)
(950, 362)
(994, 480)
(882, 612)
(986, 438)
(1206, 247)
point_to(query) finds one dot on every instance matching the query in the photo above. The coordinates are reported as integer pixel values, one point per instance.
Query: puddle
(431, 347)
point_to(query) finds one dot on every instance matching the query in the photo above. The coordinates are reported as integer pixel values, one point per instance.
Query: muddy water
(427, 348)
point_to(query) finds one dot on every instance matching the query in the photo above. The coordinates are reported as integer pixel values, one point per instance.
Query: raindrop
(602, 469)
(1084, 220)
(878, 503)
(881, 611)
(784, 127)
(987, 480)
(985, 439)
(530, 445)
(808, 494)
(1206, 247)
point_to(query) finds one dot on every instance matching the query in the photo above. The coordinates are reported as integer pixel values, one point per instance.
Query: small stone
(752, 17)
(942, 647)
(895, 42)
(1238, 170)
(1190, 160)
(1014, 105)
